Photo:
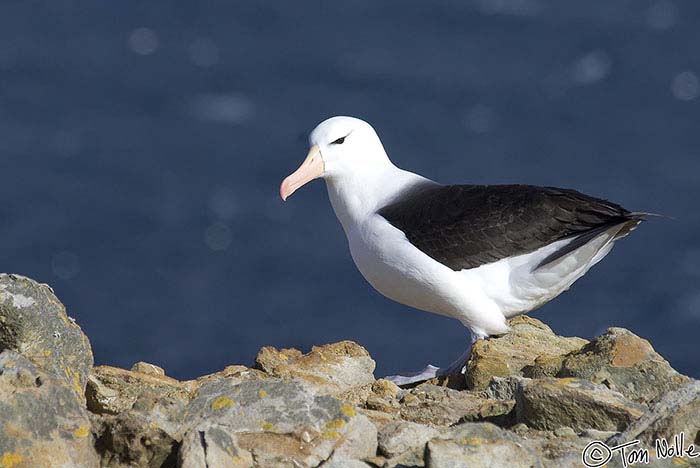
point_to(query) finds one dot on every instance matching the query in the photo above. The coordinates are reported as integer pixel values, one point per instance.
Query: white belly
(481, 298)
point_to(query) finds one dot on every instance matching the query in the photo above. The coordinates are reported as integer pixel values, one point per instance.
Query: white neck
(355, 197)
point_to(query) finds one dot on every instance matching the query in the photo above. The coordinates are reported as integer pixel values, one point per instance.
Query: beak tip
(284, 193)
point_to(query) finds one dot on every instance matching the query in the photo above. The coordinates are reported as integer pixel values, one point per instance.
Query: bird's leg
(458, 365)
(430, 371)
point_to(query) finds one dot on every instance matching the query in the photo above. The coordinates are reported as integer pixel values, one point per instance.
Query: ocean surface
(142, 145)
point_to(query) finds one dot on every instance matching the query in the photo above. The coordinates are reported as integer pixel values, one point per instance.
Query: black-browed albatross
(478, 253)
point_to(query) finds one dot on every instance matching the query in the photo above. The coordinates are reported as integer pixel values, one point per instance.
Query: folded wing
(466, 226)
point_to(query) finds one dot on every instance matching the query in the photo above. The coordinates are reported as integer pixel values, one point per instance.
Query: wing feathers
(465, 226)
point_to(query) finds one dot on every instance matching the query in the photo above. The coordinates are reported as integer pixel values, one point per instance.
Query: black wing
(465, 226)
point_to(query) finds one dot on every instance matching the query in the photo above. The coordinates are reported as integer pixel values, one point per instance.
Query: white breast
(394, 267)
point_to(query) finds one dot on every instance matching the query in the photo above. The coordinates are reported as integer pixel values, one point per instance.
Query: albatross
(480, 254)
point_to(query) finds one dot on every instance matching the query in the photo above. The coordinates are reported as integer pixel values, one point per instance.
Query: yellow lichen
(266, 426)
(221, 402)
(471, 440)
(262, 393)
(76, 383)
(81, 432)
(10, 364)
(678, 461)
(335, 424)
(10, 459)
(46, 352)
(234, 457)
(347, 410)
(284, 357)
(330, 434)
(62, 315)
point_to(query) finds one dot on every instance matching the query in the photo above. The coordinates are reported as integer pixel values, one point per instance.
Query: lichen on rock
(34, 323)
(528, 399)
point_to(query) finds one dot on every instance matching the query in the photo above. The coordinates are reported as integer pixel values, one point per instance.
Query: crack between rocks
(203, 442)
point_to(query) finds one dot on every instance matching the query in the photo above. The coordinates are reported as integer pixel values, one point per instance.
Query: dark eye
(339, 141)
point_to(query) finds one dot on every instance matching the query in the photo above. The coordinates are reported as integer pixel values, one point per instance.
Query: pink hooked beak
(310, 169)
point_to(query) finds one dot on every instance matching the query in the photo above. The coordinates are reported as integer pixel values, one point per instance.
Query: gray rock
(42, 423)
(212, 448)
(33, 322)
(345, 464)
(404, 442)
(441, 406)
(529, 341)
(282, 423)
(625, 363)
(678, 411)
(480, 444)
(332, 369)
(553, 447)
(571, 460)
(502, 388)
(137, 417)
(551, 403)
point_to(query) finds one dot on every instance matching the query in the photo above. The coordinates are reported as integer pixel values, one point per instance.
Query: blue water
(142, 145)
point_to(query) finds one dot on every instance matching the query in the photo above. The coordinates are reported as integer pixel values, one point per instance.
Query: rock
(502, 388)
(528, 341)
(480, 444)
(626, 363)
(553, 449)
(42, 423)
(384, 396)
(385, 388)
(564, 431)
(404, 442)
(137, 417)
(111, 390)
(147, 368)
(346, 464)
(212, 448)
(33, 322)
(551, 403)
(282, 423)
(441, 406)
(324, 408)
(332, 368)
(678, 411)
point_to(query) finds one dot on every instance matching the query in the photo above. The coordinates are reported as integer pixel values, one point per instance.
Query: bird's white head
(341, 148)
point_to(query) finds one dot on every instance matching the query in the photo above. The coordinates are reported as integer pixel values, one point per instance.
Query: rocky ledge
(528, 399)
